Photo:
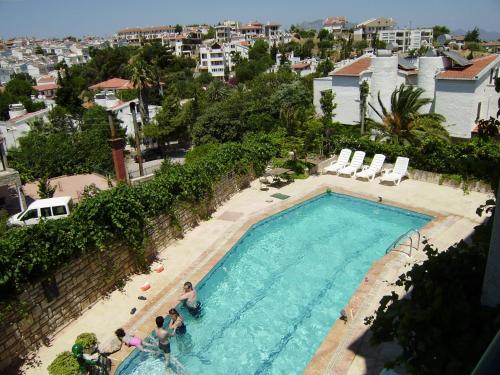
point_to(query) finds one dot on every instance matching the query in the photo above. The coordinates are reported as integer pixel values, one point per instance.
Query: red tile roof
(354, 69)
(46, 79)
(300, 66)
(113, 84)
(47, 86)
(469, 72)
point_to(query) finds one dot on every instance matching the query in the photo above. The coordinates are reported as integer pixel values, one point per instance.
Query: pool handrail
(409, 233)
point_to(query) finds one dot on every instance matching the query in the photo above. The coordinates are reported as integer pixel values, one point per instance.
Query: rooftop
(113, 84)
(469, 72)
(354, 69)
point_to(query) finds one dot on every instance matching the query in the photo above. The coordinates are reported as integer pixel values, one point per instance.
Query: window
(30, 214)
(478, 116)
(45, 212)
(59, 210)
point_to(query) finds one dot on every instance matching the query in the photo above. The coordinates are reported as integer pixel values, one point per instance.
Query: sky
(57, 18)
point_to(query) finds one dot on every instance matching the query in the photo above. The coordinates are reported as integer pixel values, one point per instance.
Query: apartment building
(212, 60)
(272, 31)
(252, 29)
(368, 29)
(407, 39)
(138, 34)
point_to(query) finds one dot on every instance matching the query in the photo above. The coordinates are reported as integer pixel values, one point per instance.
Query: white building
(124, 115)
(407, 39)
(19, 123)
(138, 34)
(462, 91)
(368, 29)
(335, 24)
(212, 60)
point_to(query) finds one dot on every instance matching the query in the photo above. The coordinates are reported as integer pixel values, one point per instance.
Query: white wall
(455, 101)
(384, 79)
(346, 90)
(428, 67)
(320, 84)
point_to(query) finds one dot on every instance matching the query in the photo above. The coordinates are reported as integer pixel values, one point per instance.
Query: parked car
(50, 209)
(150, 154)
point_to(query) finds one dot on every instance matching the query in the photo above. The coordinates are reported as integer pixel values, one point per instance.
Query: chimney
(117, 146)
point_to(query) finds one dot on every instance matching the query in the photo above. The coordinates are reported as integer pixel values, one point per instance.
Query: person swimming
(129, 340)
(176, 323)
(190, 299)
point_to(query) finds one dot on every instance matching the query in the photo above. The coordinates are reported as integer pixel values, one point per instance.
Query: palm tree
(404, 124)
(142, 77)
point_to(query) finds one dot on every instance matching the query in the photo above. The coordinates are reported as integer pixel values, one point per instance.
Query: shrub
(122, 214)
(65, 364)
(87, 341)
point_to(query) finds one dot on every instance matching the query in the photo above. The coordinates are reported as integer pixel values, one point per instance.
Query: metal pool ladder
(408, 234)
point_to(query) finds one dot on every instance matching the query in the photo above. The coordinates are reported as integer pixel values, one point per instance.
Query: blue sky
(46, 18)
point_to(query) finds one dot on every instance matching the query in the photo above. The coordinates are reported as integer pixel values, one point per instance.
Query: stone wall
(84, 281)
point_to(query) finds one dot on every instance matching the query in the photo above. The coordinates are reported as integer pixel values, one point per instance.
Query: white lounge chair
(398, 172)
(369, 172)
(354, 165)
(341, 161)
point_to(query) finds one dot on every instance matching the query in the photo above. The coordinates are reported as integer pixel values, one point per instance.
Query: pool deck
(345, 349)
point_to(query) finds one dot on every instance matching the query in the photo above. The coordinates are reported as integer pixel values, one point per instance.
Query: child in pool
(129, 340)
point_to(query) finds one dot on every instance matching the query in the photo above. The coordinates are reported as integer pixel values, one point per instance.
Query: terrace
(191, 258)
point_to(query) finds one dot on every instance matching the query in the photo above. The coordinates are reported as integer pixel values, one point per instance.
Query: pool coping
(143, 325)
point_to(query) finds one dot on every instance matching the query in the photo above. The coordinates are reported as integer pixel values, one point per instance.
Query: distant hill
(484, 35)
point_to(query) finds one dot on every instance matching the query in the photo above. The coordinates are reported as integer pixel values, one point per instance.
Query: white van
(51, 208)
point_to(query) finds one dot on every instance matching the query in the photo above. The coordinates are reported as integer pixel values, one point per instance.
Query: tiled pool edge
(166, 298)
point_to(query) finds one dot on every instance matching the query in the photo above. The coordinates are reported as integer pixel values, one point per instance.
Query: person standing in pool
(163, 338)
(190, 299)
(176, 323)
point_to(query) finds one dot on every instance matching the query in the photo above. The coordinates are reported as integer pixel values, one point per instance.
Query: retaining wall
(84, 281)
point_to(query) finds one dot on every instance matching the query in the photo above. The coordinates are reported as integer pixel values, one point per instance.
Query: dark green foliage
(86, 340)
(439, 30)
(441, 325)
(324, 67)
(49, 152)
(65, 364)
(18, 90)
(68, 95)
(45, 189)
(121, 214)
(472, 35)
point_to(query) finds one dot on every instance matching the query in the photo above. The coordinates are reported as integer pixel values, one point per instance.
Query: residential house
(461, 90)
(369, 29)
(212, 60)
(19, 123)
(138, 34)
(335, 24)
(46, 87)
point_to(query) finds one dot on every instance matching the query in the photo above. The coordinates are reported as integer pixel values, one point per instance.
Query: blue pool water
(269, 303)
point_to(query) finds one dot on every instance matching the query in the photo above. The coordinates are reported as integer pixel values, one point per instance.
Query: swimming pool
(270, 302)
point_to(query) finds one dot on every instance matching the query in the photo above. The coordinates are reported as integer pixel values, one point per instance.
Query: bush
(122, 214)
(65, 364)
(87, 341)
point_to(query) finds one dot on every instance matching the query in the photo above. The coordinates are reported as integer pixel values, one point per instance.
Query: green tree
(178, 29)
(217, 90)
(60, 119)
(210, 34)
(324, 67)
(259, 50)
(473, 46)
(360, 45)
(68, 95)
(438, 30)
(142, 77)
(472, 35)
(404, 124)
(323, 34)
(165, 126)
(19, 87)
(274, 51)
(327, 106)
(39, 50)
(290, 100)
(364, 91)
(307, 48)
(45, 189)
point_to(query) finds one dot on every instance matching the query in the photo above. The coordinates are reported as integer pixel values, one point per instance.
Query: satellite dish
(443, 39)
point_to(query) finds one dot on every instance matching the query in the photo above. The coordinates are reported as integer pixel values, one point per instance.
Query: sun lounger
(354, 165)
(341, 161)
(398, 172)
(369, 172)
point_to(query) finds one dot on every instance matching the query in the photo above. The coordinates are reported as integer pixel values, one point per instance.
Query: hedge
(473, 159)
(122, 214)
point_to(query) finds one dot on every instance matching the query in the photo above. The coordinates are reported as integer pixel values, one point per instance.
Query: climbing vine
(122, 215)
